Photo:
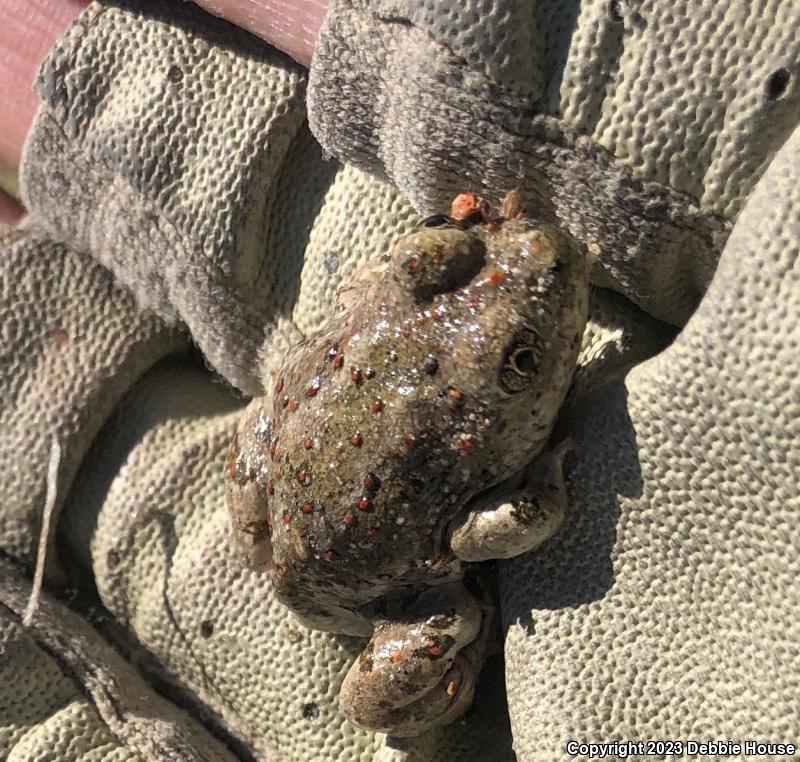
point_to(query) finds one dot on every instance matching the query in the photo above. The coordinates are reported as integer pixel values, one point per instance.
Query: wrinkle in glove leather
(159, 139)
(72, 344)
(667, 605)
(641, 127)
(68, 695)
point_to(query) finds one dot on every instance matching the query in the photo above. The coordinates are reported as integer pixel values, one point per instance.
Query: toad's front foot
(520, 521)
(419, 672)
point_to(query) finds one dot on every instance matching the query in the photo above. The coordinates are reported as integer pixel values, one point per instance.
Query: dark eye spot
(777, 83)
(523, 361)
(438, 221)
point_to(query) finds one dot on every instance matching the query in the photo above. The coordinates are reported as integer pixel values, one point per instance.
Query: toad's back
(440, 376)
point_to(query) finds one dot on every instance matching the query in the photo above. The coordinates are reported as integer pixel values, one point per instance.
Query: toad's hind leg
(418, 671)
(519, 521)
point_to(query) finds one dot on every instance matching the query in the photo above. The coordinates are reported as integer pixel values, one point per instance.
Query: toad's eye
(438, 221)
(521, 362)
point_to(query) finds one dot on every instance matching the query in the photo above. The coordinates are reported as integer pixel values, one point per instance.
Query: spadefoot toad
(369, 475)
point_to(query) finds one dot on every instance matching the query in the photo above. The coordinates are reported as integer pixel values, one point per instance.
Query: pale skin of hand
(30, 27)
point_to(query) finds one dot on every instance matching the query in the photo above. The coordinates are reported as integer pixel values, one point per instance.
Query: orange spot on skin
(293, 405)
(399, 657)
(465, 205)
(308, 443)
(434, 649)
(496, 278)
(456, 394)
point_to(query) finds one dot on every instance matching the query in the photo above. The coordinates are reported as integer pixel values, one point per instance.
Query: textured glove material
(67, 695)
(157, 148)
(667, 607)
(72, 344)
(641, 127)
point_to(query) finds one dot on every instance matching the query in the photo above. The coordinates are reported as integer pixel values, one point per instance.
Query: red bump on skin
(308, 443)
(307, 508)
(377, 406)
(465, 205)
(394, 453)
(349, 518)
(287, 518)
(455, 394)
(313, 388)
(293, 405)
(409, 442)
(473, 304)
(399, 657)
(338, 361)
(421, 319)
(304, 477)
(434, 649)
(270, 487)
(363, 504)
(492, 226)
(496, 278)
(357, 440)
(279, 385)
(413, 264)
(330, 555)
(356, 376)
(371, 482)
